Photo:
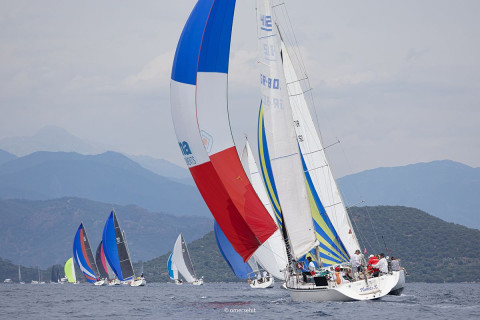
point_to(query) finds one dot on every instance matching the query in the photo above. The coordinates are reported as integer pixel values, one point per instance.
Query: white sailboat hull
(198, 282)
(400, 285)
(351, 291)
(100, 283)
(138, 283)
(262, 285)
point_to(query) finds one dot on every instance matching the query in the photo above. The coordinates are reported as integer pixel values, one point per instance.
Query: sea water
(227, 301)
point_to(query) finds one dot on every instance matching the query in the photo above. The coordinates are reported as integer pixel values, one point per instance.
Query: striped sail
(172, 268)
(83, 256)
(70, 271)
(241, 269)
(283, 148)
(115, 249)
(271, 255)
(198, 97)
(332, 224)
(182, 260)
(102, 263)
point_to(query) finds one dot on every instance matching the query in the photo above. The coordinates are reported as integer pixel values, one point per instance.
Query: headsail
(200, 116)
(283, 148)
(70, 271)
(115, 249)
(272, 254)
(182, 260)
(241, 269)
(333, 228)
(172, 268)
(83, 255)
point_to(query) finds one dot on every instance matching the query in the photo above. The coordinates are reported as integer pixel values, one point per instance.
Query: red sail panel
(230, 170)
(84, 250)
(224, 211)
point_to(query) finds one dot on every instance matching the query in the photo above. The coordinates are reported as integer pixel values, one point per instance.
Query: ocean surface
(227, 301)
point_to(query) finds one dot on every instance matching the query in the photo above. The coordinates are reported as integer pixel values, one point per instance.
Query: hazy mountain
(446, 189)
(41, 232)
(109, 177)
(6, 156)
(49, 138)
(165, 168)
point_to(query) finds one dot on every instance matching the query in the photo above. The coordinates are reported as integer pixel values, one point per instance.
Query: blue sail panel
(241, 269)
(171, 274)
(330, 243)
(266, 168)
(215, 46)
(185, 63)
(109, 241)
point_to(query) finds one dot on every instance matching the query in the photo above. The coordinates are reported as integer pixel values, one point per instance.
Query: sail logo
(185, 148)
(270, 83)
(187, 153)
(118, 240)
(266, 22)
(207, 140)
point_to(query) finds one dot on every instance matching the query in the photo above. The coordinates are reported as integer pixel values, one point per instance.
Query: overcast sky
(396, 82)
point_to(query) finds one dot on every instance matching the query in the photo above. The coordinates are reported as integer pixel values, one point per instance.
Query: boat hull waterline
(351, 291)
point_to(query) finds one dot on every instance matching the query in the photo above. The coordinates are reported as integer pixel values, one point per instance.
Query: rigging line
(298, 94)
(364, 239)
(332, 205)
(298, 80)
(316, 168)
(373, 228)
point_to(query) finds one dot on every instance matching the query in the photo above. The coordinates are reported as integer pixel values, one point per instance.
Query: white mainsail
(182, 260)
(283, 146)
(315, 158)
(272, 254)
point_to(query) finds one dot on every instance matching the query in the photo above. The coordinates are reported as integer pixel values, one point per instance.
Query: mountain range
(109, 177)
(446, 189)
(40, 233)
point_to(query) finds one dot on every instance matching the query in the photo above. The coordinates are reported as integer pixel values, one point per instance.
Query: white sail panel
(184, 116)
(271, 255)
(179, 256)
(316, 159)
(284, 152)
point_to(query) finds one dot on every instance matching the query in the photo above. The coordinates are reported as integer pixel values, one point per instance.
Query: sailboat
(83, 256)
(173, 270)
(20, 276)
(200, 115)
(182, 261)
(70, 271)
(103, 267)
(117, 254)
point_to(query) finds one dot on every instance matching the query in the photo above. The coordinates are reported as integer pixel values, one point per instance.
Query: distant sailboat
(20, 276)
(182, 260)
(117, 254)
(83, 255)
(173, 270)
(70, 271)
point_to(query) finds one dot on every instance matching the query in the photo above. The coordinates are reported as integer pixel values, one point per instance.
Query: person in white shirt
(356, 262)
(382, 265)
